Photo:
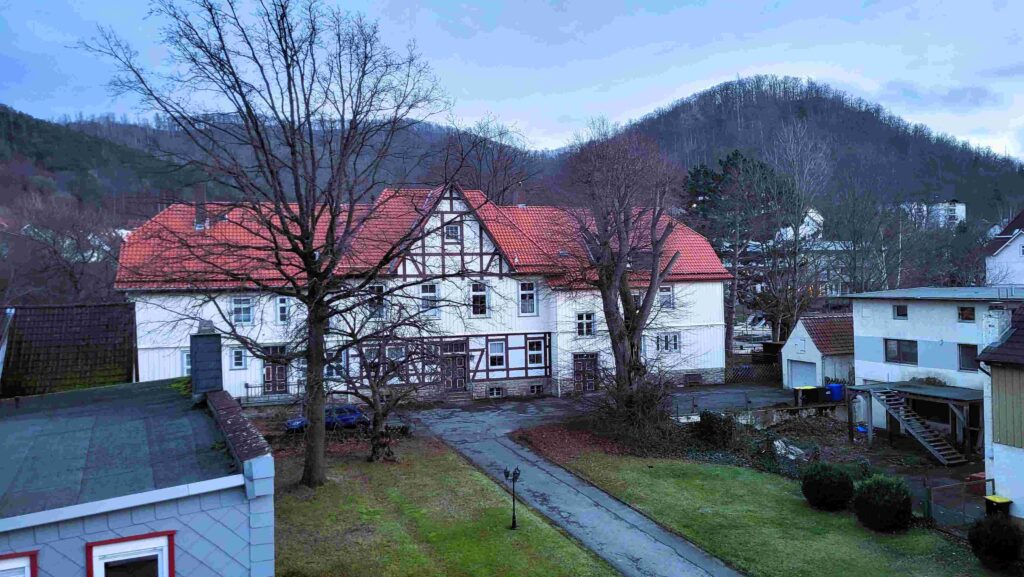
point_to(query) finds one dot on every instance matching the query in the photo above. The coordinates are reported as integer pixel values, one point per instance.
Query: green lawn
(431, 514)
(761, 524)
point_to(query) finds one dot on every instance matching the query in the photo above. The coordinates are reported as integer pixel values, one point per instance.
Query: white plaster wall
(935, 326)
(1007, 468)
(800, 347)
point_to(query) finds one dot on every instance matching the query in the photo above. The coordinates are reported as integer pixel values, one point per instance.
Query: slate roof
(832, 334)
(168, 253)
(982, 293)
(1006, 235)
(92, 444)
(1009, 350)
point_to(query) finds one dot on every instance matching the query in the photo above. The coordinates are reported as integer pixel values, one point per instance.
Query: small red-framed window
(147, 554)
(27, 561)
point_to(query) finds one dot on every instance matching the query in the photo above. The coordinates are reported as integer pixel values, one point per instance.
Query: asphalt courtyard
(625, 538)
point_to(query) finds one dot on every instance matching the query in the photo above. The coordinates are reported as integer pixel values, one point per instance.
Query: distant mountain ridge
(905, 161)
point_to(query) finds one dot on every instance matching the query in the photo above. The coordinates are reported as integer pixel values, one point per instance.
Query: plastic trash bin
(997, 505)
(835, 392)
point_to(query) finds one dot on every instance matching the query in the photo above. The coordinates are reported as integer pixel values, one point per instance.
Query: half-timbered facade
(492, 282)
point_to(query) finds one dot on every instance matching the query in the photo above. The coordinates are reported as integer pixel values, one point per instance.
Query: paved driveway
(631, 542)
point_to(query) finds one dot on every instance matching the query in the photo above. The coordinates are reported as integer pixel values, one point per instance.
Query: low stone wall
(512, 388)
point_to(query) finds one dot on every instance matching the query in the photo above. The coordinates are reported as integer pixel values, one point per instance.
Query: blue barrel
(835, 392)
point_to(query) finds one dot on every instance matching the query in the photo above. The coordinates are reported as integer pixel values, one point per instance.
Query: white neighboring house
(931, 333)
(1004, 255)
(1004, 400)
(522, 329)
(818, 350)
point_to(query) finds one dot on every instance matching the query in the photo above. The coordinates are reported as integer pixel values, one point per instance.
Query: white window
(428, 300)
(527, 299)
(241, 310)
(585, 324)
(496, 354)
(666, 297)
(18, 564)
(536, 389)
(186, 363)
(668, 342)
(150, 555)
(375, 302)
(535, 352)
(239, 360)
(495, 392)
(453, 232)
(284, 309)
(478, 299)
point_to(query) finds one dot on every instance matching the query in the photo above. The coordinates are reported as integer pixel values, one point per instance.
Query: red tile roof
(168, 253)
(832, 334)
(1006, 235)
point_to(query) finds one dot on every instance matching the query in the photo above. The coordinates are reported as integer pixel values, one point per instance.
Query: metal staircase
(932, 440)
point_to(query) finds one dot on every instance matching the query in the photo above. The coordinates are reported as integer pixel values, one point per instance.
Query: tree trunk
(314, 471)
(380, 438)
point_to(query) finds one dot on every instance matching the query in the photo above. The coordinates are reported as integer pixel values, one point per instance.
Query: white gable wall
(1007, 266)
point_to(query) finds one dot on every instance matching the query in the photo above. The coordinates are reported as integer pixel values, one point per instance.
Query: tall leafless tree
(303, 112)
(626, 186)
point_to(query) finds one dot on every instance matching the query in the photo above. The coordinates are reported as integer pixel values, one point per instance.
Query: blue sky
(547, 67)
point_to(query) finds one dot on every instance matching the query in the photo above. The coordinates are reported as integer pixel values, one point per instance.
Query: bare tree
(59, 249)
(491, 157)
(626, 185)
(301, 110)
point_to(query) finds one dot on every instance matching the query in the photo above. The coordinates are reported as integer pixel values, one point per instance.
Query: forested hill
(41, 156)
(904, 161)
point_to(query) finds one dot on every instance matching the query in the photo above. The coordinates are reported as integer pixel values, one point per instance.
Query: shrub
(883, 503)
(996, 541)
(826, 486)
(715, 429)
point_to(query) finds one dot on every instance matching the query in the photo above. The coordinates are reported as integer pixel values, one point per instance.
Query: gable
(456, 241)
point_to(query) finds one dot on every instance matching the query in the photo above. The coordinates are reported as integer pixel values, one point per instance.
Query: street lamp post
(513, 477)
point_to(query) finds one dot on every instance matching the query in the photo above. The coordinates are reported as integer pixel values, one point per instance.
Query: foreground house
(915, 359)
(517, 318)
(133, 480)
(818, 351)
(1004, 400)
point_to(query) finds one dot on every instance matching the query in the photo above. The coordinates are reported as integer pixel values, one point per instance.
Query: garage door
(803, 374)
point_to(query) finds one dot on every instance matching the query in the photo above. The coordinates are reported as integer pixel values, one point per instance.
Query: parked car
(335, 417)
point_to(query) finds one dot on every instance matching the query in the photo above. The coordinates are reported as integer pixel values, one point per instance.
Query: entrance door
(584, 371)
(275, 375)
(454, 365)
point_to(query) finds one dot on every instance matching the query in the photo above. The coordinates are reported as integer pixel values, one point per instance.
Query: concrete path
(629, 541)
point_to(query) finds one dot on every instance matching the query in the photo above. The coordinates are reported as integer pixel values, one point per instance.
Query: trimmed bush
(715, 429)
(883, 503)
(996, 541)
(826, 486)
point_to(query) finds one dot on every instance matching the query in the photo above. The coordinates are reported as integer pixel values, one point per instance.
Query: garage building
(819, 350)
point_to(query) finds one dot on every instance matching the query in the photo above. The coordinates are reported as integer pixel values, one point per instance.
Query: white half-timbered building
(496, 288)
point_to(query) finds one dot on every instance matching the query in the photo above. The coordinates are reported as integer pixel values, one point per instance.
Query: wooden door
(454, 366)
(584, 371)
(275, 375)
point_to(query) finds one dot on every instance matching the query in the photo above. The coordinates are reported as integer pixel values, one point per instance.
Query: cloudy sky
(547, 67)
